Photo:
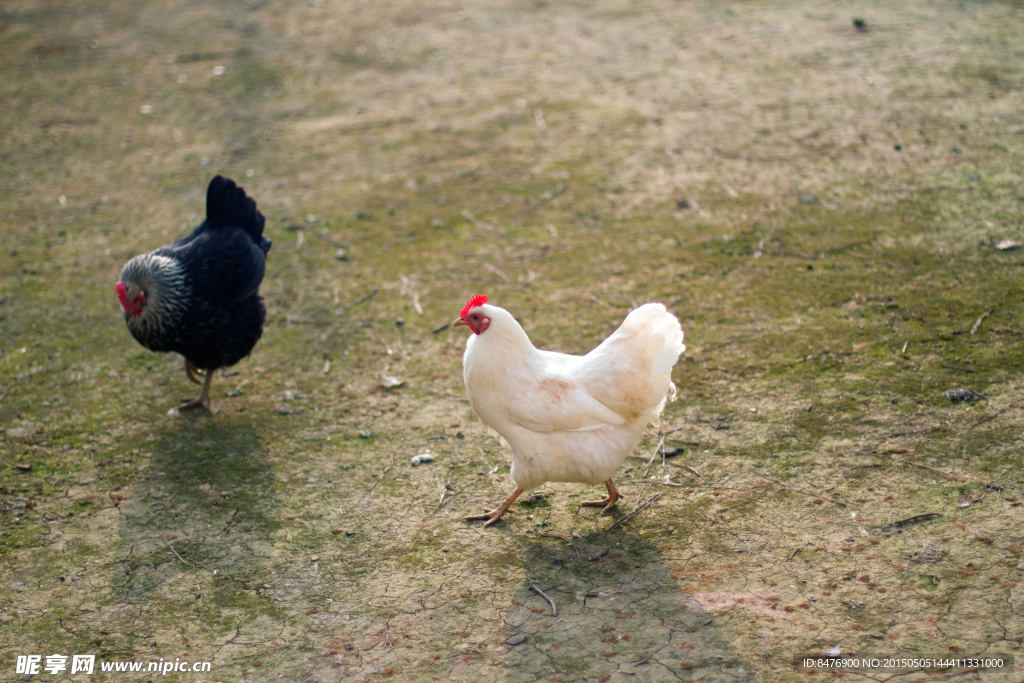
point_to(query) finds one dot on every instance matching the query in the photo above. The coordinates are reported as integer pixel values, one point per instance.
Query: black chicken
(199, 296)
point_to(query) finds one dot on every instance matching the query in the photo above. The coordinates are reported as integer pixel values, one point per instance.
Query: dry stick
(477, 222)
(993, 415)
(444, 488)
(373, 488)
(365, 297)
(369, 125)
(7, 390)
(327, 238)
(978, 321)
(664, 462)
(183, 560)
(938, 471)
(497, 271)
(784, 485)
(654, 455)
(554, 610)
(957, 367)
(635, 512)
(914, 519)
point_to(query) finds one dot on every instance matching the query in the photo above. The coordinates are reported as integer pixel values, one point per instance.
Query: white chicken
(568, 418)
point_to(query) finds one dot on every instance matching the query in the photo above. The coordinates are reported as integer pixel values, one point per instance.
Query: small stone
(314, 558)
(341, 255)
(335, 531)
(422, 458)
(365, 434)
(960, 394)
(517, 639)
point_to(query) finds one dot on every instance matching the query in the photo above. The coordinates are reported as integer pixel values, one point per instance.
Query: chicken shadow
(201, 505)
(622, 616)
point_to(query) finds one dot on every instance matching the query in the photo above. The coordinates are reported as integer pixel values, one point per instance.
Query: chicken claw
(192, 371)
(608, 502)
(494, 515)
(201, 401)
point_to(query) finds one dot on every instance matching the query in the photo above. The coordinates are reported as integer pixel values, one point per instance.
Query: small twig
(687, 467)
(536, 589)
(369, 125)
(183, 560)
(913, 520)
(784, 485)
(477, 222)
(327, 238)
(793, 554)
(665, 462)
(993, 416)
(365, 297)
(937, 471)
(760, 245)
(6, 391)
(497, 271)
(657, 450)
(444, 488)
(957, 367)
(369, 494)
(977, 323)
(634, 513)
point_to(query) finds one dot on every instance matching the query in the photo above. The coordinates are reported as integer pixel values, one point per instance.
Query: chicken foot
(494, 515)
(192, 371)
(608, 502)
(202, 401)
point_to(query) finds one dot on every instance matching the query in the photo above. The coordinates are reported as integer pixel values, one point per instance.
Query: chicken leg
(202, 401)
(608, 502)
(494, 515)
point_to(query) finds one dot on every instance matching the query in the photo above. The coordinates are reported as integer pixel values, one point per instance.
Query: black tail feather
(227, 205)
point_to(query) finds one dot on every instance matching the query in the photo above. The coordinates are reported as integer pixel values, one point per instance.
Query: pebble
(517, 639)
(422, 458)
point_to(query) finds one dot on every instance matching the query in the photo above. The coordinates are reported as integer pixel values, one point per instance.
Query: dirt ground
(819, 191)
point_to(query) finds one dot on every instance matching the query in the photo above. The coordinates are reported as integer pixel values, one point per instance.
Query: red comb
(476, 300)
(122, 294)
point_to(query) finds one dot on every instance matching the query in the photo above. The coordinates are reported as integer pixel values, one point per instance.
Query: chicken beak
(460, 322)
